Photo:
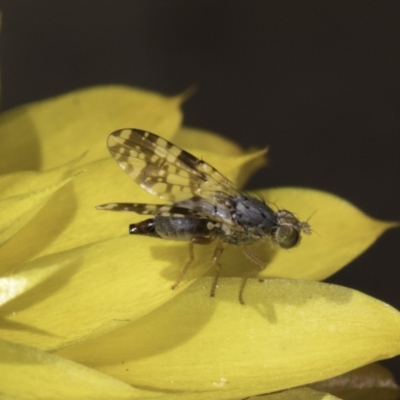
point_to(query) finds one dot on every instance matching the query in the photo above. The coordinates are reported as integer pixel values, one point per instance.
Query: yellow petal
(341, 232)
(27, 373)
(19, 283)
(289, 333)
(91, 290)
(237, 165)
(48, 133)
(202, 140)
(23, 195)
(151, 265)
(69, 223)
(239, 169)
(71, 220)
(29, 181)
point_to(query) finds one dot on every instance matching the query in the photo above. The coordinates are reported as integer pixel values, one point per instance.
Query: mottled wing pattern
(166, 210)
(164, 169)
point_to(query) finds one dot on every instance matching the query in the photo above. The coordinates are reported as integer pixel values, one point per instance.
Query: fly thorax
(255, 216)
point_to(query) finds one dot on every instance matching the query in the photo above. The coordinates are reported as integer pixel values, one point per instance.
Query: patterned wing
(167, 210)
(164, 169)
(176, 210)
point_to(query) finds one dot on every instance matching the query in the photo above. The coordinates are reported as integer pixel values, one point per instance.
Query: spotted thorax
(203, 206)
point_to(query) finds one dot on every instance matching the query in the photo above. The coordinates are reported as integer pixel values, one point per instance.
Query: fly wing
(166, 210)
(164, 169)
(176, 210)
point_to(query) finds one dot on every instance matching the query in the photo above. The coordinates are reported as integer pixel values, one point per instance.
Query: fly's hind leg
(191, 259)
(260, 266)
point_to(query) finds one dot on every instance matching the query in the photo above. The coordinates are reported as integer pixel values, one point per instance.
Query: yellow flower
(87, 310)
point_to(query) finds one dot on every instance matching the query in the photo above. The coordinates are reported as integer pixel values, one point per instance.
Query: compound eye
(287, 237)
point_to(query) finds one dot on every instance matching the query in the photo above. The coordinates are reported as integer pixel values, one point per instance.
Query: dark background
(318, 81)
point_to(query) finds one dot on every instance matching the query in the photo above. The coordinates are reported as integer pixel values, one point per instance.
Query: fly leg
(260, 266)
(183, 272)
(216, 256)
(191, 259)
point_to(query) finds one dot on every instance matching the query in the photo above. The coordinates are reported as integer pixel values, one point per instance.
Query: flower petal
(28, 373)
(17, 284)
(289, 333)
(48, 133)
(202, 140)
(237, 165)
(70, 296)
(70, 219)
(239, 169)
(151, 265)
(23, 195)
(341, 232)
(79, 223)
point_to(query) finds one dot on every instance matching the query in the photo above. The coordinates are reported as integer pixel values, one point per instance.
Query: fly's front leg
(261, 265)
(216, 256)
(191, 258)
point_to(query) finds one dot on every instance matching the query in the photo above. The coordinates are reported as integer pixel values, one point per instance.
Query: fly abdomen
(145, 227)
(186, 228)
